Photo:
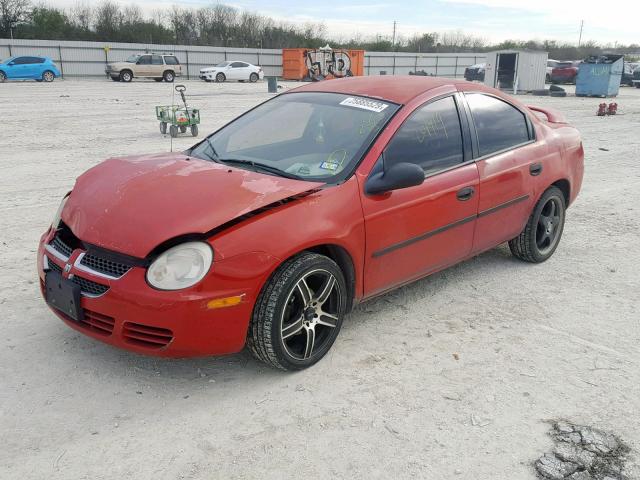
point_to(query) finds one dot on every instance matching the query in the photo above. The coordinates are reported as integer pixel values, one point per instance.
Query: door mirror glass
(399, 175)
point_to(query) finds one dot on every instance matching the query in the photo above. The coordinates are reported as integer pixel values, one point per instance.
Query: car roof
(397, 89)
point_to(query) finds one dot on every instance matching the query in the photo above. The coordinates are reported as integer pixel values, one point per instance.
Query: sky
(612, 22)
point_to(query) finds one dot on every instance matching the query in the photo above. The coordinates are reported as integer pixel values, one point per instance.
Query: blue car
(35, 68)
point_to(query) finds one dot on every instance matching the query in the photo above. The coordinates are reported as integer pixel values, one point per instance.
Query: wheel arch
(343, 258)
(565, 187)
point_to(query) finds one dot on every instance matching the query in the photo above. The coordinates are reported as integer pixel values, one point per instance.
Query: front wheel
(540, 237)
(220, 78)
(3, 77)
(163, 127)
(48, 76)
(173, 131)
(194, 130)
(126, 76)
(299, 312)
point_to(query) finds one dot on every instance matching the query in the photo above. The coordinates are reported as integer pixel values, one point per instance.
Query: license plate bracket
(63, 294)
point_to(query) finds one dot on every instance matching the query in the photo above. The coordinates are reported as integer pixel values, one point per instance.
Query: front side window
(144, 60)
(431, 137)
(498, 124)
(22, 61)
(132, 59)
(316, 136)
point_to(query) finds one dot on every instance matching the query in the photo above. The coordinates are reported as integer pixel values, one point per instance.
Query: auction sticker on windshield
(364, 103)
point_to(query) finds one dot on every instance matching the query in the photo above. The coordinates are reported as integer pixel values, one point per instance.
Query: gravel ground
(454, 376)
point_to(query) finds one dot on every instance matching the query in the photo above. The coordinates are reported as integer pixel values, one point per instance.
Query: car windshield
(314, 136)
(132, 59)
(223, 64)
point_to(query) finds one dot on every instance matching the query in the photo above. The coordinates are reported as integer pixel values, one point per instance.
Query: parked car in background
(40, 69)
(475, 72)
(636, 77)
(551, 64)
(232, 70)
(272, 228)
(565, 72)
(159, 66)
(627, 73)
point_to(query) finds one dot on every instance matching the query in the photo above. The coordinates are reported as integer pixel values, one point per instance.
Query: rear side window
(156, 60)
(238, 65)
(171, 60)
(431, 137)
(498, 125)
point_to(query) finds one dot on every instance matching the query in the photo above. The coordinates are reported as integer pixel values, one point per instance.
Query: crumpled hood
(132, 204)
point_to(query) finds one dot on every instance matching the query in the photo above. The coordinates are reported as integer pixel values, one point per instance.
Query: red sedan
(267, 232)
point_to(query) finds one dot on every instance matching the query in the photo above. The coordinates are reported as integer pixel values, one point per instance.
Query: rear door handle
(535, 169)
(465, 193)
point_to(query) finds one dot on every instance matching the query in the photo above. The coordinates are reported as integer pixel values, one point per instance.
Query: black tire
(194, 130)
(254, 77)
(3, 77)
(541, 236)
(169, 76)
(173, 131)
(220, 77)
(547, 78)
(158, 79)
(126, 76)
(163, 127)
(183, 128)
(48, 76)
(297, 290)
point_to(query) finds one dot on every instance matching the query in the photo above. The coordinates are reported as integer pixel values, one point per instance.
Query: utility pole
(580, 37)
(393, 42)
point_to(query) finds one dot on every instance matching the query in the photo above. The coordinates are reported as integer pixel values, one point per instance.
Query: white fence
(88, 59)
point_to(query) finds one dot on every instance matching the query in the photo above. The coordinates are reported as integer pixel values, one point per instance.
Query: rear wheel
(540, 237)
(163, 127)
(194, 130)
(173, 131)
(48, 76)
(169, 76)
(220, 77)
(254, 77)
(126, 76)
(299, 313)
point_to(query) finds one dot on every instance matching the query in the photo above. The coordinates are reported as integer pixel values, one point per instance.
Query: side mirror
(11, 64)
(400, 175)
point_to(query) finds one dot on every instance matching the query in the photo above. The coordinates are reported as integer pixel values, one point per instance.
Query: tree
(12, 13)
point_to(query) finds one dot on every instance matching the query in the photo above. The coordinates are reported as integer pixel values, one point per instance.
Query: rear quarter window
(498, 124)
(171, 60)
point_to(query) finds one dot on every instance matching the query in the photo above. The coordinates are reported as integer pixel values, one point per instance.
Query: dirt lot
(455, 376)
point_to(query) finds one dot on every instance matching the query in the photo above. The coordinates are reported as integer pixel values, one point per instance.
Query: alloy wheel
(48, 77)
(548, 227)
(310, 314)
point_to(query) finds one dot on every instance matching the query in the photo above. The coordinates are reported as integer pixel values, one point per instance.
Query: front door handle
(465, 193)
(535, 169)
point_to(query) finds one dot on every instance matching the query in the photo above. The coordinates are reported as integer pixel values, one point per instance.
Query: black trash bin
(272, 84)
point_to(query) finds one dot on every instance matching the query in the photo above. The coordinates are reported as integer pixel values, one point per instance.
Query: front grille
(102, 265)
(146, 336)
(87, 287)
(58, 244)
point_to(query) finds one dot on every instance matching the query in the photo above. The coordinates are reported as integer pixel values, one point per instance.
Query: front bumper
(134, 316)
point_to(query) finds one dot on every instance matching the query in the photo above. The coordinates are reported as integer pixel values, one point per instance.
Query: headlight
(56, 219)
(181, 266)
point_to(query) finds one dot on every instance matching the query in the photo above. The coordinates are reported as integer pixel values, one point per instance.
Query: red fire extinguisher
(602, 110)
(613, 109)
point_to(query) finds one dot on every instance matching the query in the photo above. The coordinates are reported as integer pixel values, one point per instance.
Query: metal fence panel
(87, 59)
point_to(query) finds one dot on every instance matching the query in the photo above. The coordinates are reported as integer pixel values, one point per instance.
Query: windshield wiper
(258, 166)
